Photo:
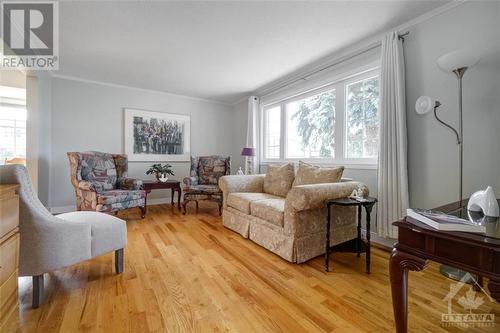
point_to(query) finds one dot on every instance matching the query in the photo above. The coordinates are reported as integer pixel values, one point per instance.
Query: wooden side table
(360, 245)
(174, 185)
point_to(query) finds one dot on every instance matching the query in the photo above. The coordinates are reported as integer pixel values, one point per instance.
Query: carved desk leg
(399, 265)
(494, 288)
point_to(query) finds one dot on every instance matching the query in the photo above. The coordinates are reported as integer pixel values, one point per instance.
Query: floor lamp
(456, 62)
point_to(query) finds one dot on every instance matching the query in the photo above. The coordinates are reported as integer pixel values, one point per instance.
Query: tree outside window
(362, 118)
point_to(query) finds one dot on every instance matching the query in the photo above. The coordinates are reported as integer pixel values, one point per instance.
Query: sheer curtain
(392, 160)
(253, 130)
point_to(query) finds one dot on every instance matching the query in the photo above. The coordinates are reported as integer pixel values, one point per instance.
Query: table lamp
(248, 153)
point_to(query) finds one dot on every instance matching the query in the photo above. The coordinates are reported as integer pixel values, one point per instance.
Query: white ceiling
(214, 50)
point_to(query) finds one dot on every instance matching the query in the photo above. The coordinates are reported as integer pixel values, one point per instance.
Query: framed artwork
(156, 136)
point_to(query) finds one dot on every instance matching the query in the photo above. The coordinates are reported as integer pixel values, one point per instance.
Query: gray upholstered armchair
(52, 242)
(203, 183)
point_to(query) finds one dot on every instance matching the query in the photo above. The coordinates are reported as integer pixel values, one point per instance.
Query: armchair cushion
(99, 169)
(241, 200)
(279, 179)
(109, 233)
(270, 210)
(116, 196)
(306, 197)
(204, 189)
(125, 183)
(311, 174)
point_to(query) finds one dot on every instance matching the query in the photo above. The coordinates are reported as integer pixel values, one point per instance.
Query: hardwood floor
(187, 273)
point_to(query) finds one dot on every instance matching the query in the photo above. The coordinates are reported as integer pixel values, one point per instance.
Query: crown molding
(348, 51)
(116, 85)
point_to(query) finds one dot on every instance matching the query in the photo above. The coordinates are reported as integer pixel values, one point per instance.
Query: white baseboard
(385, 242)
(67, 209)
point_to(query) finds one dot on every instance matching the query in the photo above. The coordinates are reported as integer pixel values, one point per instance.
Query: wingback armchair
(101, 183)
(204, 179)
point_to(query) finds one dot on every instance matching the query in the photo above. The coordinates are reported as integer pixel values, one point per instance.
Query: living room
(238, 166)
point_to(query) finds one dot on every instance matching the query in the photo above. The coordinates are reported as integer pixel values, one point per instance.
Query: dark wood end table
(418, 244)
(174, 185)
(360, 245)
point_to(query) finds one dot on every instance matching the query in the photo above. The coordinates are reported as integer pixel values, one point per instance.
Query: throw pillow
(279, 178)
(310, 174)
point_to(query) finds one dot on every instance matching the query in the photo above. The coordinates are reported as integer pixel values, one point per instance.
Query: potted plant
(161, 171)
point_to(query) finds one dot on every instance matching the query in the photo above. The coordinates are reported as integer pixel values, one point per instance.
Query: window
(12, 133)
(362, 118)
(272, 124)
(12, 123)
(337, 123)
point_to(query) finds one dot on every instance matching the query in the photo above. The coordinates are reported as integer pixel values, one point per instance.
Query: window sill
(349, 165)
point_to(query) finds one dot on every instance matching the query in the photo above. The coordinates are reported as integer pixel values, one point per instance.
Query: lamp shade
(424, 104)
(248, 151)
(463, 58)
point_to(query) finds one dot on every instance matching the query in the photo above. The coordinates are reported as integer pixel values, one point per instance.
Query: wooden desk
(419, 243)
(174, 185)
(9, 255)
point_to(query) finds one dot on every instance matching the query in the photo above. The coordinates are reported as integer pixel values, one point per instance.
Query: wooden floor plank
(187, 273)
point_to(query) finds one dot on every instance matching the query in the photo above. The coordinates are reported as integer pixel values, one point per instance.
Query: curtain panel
(392, 159)
(253, 131)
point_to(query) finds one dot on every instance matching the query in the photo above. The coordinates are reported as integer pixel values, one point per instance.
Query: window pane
(272, 130)
(12, 133)
(362, 118)
(311, 126)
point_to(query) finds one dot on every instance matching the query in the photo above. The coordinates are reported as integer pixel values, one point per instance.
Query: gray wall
(44, 90)
(88, 116)
(433, 152)
(432, 149)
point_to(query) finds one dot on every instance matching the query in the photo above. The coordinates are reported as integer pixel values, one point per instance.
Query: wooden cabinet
(9, 255)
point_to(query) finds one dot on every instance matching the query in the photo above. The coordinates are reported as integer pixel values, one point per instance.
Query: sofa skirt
(273, 238)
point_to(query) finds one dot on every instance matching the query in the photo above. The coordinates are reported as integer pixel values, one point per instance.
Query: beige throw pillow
(310, 174)
(279, 179)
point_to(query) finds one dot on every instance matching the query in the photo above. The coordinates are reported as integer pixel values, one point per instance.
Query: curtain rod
(339, 61)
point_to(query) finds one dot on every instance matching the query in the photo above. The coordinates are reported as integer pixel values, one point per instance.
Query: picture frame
(152, 136)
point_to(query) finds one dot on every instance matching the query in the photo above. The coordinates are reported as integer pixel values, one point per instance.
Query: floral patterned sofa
(289, 222)
(101, 183)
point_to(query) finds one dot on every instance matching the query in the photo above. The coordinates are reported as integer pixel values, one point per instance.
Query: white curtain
(392, 160)
(253, 130)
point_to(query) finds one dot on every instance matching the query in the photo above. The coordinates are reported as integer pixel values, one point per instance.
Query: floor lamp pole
(460, 73)
(452, 272)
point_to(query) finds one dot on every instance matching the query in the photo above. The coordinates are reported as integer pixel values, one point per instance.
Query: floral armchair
(204, 179)
(101, 183)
